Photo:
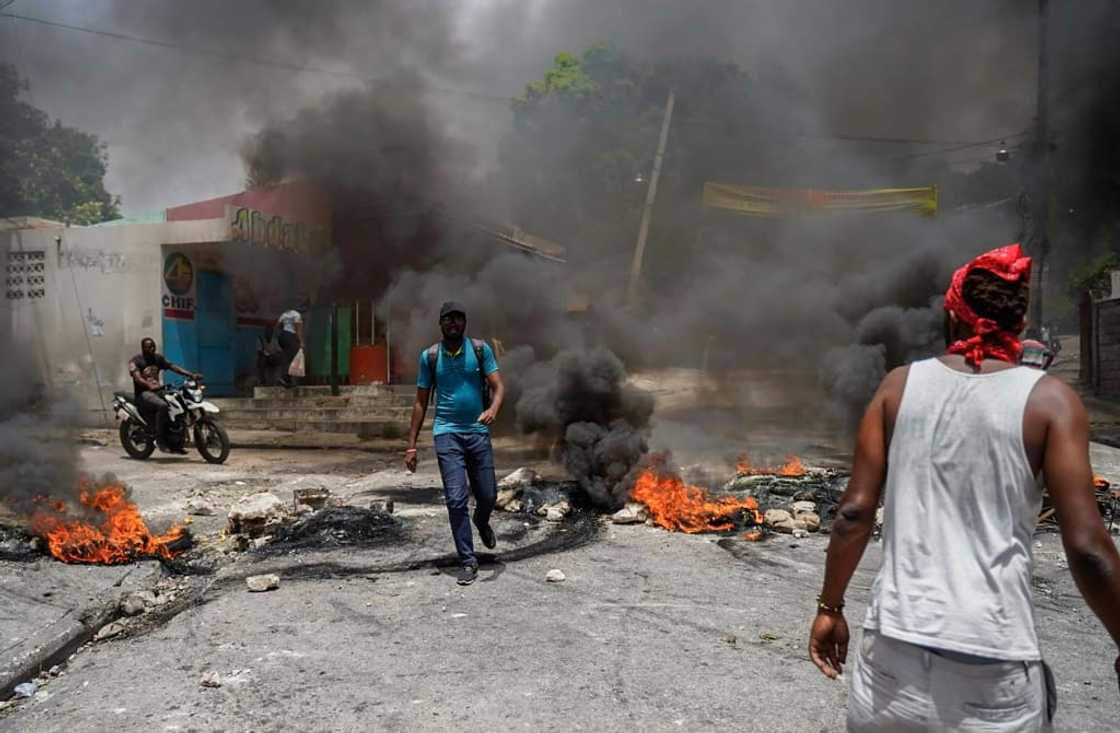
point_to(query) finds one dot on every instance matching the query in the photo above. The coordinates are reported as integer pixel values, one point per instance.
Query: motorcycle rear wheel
(212, 441)
(136, 441)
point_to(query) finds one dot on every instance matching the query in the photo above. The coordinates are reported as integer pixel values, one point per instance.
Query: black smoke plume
(601, 422)
(38, 441)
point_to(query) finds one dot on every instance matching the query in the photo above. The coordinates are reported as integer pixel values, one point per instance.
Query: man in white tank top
(954, 446)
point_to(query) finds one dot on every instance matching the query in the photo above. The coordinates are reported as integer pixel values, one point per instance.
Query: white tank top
(959, 512)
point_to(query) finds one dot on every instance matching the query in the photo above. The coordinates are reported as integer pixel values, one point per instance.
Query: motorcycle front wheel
(212, 441)
(136, 441)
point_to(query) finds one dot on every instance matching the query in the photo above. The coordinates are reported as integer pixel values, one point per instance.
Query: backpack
(432, 355)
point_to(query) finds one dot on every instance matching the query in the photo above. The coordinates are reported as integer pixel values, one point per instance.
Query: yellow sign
(774, 202)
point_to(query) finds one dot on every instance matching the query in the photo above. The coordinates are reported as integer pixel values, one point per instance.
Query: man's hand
(410, 458)
(488, 417)
(828, 644)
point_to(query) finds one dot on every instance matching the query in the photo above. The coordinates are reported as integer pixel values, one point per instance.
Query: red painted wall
(295, 201)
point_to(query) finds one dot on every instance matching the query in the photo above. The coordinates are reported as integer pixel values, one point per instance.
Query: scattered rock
(253, 514)
(779, 519)
(260, 542)
(315, 498)
(211, 679)
(800, 533)
(555, 512)
(634, 512)
(555, 576)
(262, 583)
(199, 508)
(520, 478)
(810, 520)
(109, 630)
(879, 517)
(802, 507)
(512, 486)
(137, 602)
(55, 671)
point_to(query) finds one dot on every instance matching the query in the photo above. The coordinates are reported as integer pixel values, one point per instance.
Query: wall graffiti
(96, 325)
(93, 259)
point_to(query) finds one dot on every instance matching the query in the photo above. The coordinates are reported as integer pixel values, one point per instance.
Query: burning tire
(136, 441)
(212, 441)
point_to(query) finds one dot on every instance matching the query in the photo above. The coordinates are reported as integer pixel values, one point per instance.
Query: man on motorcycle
(144, 368)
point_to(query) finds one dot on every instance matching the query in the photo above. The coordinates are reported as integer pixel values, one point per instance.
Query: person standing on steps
(468, 391)
(289, 335)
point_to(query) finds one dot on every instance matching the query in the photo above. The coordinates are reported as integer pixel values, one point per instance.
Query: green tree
(584, 138)
(46, 168)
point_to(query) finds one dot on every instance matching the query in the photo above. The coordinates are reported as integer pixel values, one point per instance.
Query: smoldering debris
(335, 526)
(601, 422)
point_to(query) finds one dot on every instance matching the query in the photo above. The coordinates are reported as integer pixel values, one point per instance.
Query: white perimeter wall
(103, 290)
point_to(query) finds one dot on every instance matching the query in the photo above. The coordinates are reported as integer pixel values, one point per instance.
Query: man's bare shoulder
(1054, 398)
(894, 383)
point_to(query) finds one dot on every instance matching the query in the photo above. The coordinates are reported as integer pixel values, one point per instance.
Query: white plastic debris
(27, 689)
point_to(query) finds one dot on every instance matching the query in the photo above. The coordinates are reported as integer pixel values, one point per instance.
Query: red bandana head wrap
(988, 340)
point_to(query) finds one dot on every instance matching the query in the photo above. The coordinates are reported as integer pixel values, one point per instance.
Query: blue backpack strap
(478, 346)
(432, 354)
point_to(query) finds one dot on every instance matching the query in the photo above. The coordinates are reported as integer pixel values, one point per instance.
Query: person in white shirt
(289, 327)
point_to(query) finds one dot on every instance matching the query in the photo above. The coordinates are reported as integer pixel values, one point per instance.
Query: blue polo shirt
(458, 387)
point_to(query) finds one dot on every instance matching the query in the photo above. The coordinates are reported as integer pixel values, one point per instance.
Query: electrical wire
(338, 73)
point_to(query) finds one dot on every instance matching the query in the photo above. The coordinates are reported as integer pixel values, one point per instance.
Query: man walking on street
(463, 374)
(949, 640)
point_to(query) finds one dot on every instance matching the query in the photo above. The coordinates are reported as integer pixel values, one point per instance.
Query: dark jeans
(467, 457)
(153, 408)
(289, 346)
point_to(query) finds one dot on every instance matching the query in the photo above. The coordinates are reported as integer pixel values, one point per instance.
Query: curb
(51, 645)
(57, 640)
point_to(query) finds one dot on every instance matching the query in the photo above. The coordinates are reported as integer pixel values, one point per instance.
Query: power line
(338, 73)
(227, 56)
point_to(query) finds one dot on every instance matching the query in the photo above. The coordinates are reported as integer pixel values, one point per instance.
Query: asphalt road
(650, 630)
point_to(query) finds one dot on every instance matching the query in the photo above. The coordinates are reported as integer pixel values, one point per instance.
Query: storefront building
(203, 279)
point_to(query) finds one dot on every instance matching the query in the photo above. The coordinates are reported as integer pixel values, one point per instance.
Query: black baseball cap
(452, 306)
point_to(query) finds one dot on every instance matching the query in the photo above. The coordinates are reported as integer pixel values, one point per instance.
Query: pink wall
(295, 201)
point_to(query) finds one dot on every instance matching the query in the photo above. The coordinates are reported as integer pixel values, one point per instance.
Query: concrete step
(316, 413)
(286, 393)
(344, 390)
(370, 428)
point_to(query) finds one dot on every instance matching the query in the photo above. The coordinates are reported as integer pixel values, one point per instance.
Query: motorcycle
(188, 415)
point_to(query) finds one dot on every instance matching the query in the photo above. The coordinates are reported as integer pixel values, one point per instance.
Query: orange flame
(793, 467)
(677, 506)
(1100, 483)
(118, 535)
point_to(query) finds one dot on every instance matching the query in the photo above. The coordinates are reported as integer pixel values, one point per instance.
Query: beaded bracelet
(821, 606)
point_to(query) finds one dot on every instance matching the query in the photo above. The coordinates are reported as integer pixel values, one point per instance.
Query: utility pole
(647, 212)
(1040, 197)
